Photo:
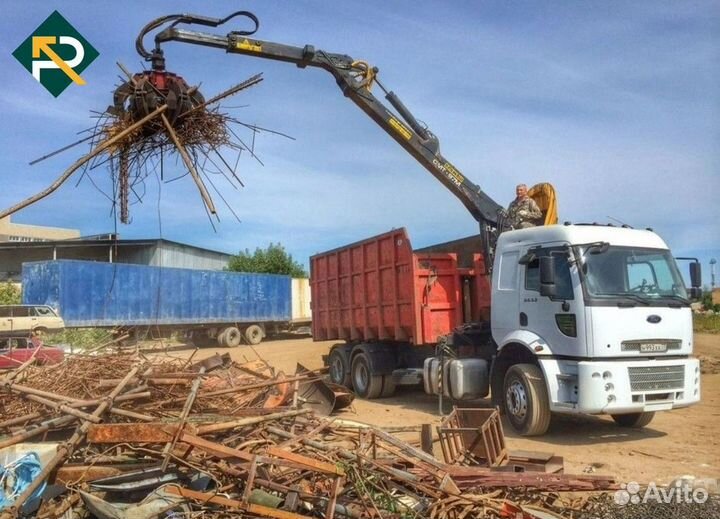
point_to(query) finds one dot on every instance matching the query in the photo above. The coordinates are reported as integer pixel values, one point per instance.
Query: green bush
(706, 323)
(707, 301)
(9, 294)
(80, 338)
(272, 260)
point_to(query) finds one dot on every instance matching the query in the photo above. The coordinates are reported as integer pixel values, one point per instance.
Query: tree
(272, 260)
(9, 294)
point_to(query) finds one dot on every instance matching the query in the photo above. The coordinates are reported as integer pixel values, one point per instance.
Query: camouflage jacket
(523, 213)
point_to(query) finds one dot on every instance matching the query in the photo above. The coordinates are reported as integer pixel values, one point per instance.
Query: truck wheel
(220, 338)
(365, 384)
(231, 337)
(526, 400)
(635, 420)
(254, 334)
(388, 389)
(338, 363)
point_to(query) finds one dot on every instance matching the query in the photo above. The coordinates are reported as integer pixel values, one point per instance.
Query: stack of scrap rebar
(136, 437)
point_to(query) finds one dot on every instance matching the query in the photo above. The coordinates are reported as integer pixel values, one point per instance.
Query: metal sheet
(90, 294)
(379, 289)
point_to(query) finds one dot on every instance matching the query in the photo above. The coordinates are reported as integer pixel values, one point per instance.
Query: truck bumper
(620, 387)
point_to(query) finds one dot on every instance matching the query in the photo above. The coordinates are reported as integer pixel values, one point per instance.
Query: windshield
(632, 273)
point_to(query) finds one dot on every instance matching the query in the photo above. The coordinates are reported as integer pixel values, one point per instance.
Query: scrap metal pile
(157, 117)
(125, 436)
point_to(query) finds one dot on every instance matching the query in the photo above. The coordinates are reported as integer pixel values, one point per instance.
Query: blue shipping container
(90, 293)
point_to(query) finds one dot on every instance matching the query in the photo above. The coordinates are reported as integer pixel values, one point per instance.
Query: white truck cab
(589, 319)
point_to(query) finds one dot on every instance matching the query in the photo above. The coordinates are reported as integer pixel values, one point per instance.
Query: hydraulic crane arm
(355, 79)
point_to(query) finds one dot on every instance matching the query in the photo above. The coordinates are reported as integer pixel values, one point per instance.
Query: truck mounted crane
(356, 79)
(551, 319)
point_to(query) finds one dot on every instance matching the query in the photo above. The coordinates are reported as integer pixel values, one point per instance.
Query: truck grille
(653, 378)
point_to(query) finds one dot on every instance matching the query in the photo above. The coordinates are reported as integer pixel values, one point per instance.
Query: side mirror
(695, 293)
(695, 274)
(547, 276)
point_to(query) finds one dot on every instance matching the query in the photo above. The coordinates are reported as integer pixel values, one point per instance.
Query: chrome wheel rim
(516, 400)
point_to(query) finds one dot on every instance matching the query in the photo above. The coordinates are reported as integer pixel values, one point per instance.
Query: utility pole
(712, 273)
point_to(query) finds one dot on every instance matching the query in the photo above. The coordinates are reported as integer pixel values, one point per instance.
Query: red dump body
(380, 290)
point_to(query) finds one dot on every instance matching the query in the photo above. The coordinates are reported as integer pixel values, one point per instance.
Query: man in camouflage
(523, 212)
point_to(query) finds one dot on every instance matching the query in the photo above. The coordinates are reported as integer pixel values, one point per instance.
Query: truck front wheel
(526, 400)
(635, 420)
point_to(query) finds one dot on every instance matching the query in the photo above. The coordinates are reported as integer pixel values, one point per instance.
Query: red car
(16, 350)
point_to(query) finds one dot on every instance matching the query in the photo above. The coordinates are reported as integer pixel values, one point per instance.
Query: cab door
(558, 319)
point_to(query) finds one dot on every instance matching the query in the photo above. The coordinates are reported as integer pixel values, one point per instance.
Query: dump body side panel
(379, 290)
(364, 291)
(87, 294)
(439, 289)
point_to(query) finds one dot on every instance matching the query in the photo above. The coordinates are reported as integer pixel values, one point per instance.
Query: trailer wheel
(526, 401)
(338, 362)
(635, 420)
(365, 384)
(220, 338)
(231, 337)
(254, 334)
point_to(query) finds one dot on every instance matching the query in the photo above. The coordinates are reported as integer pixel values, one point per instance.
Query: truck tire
(231, 337)
(365, 384)
(254, 334)
(388, 389)
(635, 420)
(220, 338)
(339, 368)
(525, 400)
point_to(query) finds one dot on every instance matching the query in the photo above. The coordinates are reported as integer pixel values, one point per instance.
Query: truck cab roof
(581, 233)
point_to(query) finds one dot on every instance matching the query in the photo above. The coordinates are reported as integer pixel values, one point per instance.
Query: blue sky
(615, 103)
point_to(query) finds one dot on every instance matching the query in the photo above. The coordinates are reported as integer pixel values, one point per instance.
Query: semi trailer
(556, 318)
(229, 308)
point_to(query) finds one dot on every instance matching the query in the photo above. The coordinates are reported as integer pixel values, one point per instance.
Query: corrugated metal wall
(103, 294)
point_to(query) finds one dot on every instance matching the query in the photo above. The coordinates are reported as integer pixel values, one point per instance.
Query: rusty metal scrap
(210, 454)
(473, 436)
(156, 115)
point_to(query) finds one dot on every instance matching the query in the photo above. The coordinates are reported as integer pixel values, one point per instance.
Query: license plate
(653, 347)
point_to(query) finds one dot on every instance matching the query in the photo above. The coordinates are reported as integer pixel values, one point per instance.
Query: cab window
(507, 277)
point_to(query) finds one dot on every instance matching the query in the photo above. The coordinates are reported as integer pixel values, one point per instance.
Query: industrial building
(108, 248)
(18, 232)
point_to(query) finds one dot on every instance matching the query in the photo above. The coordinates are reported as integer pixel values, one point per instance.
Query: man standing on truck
(523, 212)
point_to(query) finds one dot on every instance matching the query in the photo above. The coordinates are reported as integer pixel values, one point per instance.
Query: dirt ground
(676, 443)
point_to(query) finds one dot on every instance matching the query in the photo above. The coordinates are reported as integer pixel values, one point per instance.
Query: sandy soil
(676, 443)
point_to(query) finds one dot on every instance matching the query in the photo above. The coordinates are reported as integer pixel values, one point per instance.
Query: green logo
(55, 54)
